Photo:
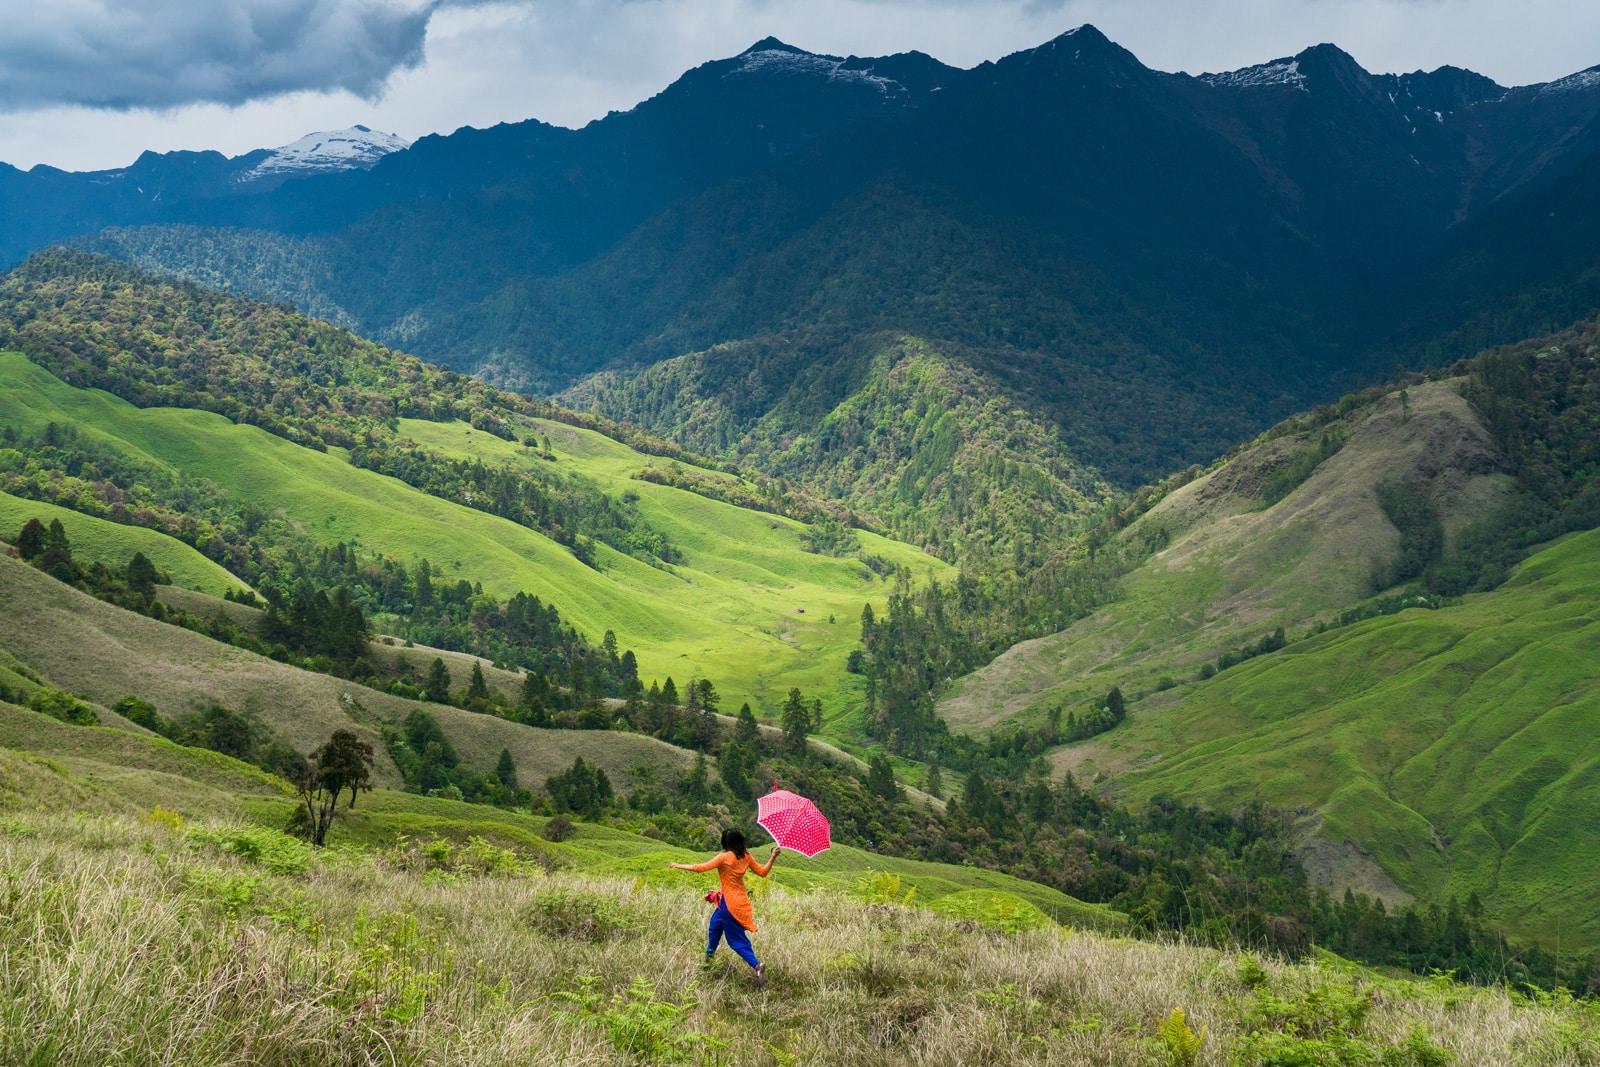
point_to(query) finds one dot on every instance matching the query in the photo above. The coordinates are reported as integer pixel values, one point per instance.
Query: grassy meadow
(150, 939)
(1456, 745)
(749, 609)
(100, 540)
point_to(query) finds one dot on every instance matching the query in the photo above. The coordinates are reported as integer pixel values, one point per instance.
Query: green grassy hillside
(748, 608)
(162, 942)
(1229, 569)
(127, 771)
(98, 540)
(102, 653)
(123, 770)
(1455, 746)
(936, 450)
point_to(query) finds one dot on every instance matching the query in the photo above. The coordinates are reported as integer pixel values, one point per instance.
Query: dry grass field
(143, 940)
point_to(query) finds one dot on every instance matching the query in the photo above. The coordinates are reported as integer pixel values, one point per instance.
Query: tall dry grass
(131, 942)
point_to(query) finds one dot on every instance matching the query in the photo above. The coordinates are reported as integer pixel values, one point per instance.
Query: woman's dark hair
(733, 841)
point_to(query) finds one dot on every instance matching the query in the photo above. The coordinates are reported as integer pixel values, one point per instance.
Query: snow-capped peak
(1584, 79)
(1278, 72)
(772, 56)
(357, 148)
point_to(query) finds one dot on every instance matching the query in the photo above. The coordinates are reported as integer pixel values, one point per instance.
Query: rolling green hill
(45, 763)
(103, 653)
(100, 540)
(748, 607)
(1230, 569)
(1454, 746)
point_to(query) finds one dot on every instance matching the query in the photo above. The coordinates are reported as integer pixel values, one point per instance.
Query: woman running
(732, 917)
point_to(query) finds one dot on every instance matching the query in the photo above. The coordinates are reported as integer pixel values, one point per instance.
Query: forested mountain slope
(1152, 266)
(1431, 486)
(320, 450)
(903, 430)
(1380, 616)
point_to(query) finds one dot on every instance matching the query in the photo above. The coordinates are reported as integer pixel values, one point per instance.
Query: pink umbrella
(793, 821)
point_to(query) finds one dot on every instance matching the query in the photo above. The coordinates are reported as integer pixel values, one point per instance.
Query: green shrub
(272, 849)
(883, 887)
(998, 911)
(565, 914)
(639, 1025)
(63, 706)
(1181, 1044)
(1417, 1050)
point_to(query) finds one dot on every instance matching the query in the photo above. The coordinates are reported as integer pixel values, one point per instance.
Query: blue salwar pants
(723, 924)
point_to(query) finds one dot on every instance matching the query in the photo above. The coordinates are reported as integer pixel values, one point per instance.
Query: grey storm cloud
(571, 60)
(121, 54)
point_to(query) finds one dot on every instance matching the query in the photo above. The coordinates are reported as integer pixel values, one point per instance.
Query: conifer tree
(142, 575)
(747, 730)
(535, 691)
(693, 785)
(437, 688)
(477, 687)
(796, 723)
(736, 763)
(55, 538)
(425, 595)
(30, 542)
(880, 777)
(506, 770)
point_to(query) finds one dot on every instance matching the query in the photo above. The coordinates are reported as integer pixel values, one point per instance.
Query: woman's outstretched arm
(709, 865)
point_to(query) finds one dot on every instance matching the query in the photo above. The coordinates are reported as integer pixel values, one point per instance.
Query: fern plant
(1181, 1043)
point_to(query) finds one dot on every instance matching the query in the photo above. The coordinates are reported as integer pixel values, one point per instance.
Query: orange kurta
(730, 871)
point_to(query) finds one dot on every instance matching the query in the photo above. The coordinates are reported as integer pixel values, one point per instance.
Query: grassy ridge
(385, 817)
(737, 620)
(120, 770)
(1228, 569)
(103, 653)
(97, 540)
(1453, 744)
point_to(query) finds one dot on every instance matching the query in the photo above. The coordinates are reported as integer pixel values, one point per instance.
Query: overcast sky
(88, 84)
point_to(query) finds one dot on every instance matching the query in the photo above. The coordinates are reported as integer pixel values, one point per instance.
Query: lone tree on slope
(345, 762)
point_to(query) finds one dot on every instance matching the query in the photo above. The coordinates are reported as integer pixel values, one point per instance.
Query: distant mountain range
(1151, 265)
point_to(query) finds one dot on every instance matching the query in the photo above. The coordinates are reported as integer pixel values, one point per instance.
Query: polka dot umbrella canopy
(793, 821)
